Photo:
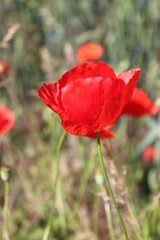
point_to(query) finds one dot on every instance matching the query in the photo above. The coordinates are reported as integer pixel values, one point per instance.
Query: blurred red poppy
(140, 104)
(7, 119)
(149, 154)
(4, 67)
(89, 52)
(89, 97)
(158, 53)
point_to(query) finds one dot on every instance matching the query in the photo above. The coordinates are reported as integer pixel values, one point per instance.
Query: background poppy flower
(89, 97)
(4, 67)
(140, 104)
(89, 52)
(149, 154)
(158, 53)
(7, 119)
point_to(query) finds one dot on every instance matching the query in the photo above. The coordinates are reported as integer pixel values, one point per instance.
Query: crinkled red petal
(113, 106)
(84, 98)
(130, 78)
(7, 119)
(110, 112)
(87, 70)
(48, 93)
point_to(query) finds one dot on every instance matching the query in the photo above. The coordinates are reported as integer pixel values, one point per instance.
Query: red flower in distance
(4, 67)
(89, 97)
(149, 155)
(89, 52)
(158, 53)
(7, 119)
(140, 104)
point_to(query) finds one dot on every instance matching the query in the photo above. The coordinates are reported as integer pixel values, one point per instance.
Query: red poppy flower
(140, 104)
(4, 67)
(89, 97)
(89, 52)
(149, 154)
(7, 119)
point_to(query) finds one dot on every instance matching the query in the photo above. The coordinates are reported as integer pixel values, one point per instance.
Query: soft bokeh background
(42, 43)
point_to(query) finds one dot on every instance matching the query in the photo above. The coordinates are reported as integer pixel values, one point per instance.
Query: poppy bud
(5, 173)
(99, 178)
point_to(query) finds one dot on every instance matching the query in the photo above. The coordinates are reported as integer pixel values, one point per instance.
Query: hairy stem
(109, 186)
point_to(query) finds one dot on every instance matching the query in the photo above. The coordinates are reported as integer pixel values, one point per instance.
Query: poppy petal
(84, 105)
(110, 112)
(73, 127)
(140, 104)
(48, 93)
(113, 106)
(87, 70)
(7, 119)
(130, 78)
(51, 93)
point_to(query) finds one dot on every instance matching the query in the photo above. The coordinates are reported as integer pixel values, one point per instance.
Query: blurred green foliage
(38, 51)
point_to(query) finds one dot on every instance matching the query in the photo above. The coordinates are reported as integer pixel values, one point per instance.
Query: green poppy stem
(6, 209)
(109, 186)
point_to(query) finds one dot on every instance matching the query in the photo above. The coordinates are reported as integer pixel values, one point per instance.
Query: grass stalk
(6, 209)
(49, 224)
